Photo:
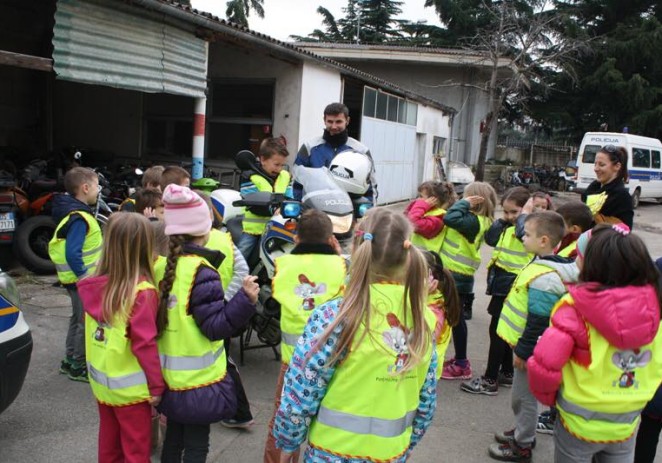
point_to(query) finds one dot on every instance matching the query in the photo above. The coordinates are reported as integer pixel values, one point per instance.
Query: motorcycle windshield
(321, 192)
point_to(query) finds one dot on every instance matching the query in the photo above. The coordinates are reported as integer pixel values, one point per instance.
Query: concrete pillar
(199, 138)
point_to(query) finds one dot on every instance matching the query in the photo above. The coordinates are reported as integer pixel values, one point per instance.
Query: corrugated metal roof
(217, 24)
(364, 46)
(98, 43)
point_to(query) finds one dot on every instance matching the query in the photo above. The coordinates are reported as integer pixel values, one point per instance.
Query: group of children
(374, 331)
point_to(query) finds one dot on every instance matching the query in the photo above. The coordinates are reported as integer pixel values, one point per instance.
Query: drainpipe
(451, 122)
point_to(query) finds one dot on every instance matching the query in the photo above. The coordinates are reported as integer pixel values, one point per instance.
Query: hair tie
(407, 244)
(367, 236)
(621, 228)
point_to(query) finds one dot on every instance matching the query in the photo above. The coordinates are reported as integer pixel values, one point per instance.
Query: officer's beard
(336, 140)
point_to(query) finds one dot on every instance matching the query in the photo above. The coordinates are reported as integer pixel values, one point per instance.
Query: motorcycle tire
(31, 244)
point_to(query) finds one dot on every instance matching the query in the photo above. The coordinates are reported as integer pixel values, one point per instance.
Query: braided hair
(176, 247)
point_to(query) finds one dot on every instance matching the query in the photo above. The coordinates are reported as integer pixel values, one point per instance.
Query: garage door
(393, 148)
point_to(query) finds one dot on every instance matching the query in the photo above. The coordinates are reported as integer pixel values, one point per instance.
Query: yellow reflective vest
(301, 283)
(91, 252)
(596, 201)
(457, 253)
(569, 249)
(188, 358)
(603, 402)
(222, 241)
(442, 330)
(509, 253)
(255, 224)
(434, 243)
(115, 375)
(516, 306)
(376, 424)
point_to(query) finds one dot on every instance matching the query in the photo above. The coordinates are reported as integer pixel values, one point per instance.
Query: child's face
(159, 212)
(531, 241)
(185, 182)
(274, 165)
(89, 192)
(511, 211)
(539, 204)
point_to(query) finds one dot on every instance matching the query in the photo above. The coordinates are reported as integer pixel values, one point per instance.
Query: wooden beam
(37, 63)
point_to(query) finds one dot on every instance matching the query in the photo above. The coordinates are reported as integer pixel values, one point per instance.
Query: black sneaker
(480, 385)
(505, 379)
(506, 437)
(78, 374)
(232, 423)
(546, 421)
(65, 367)
(510, 452)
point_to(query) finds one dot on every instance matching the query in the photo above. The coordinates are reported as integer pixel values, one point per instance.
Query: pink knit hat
(185, 212)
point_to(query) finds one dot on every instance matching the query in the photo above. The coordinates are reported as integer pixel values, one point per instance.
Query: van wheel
(636, 196)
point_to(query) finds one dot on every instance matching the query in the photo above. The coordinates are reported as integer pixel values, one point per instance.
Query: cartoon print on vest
(628, 361)
(100, 333)
(172, 301)
(397, 338)
(308, 290)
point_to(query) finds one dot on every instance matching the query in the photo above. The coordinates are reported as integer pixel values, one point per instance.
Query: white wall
(434, 123)
(319, 87)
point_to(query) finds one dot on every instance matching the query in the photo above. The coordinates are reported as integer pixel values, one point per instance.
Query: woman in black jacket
(607, 196)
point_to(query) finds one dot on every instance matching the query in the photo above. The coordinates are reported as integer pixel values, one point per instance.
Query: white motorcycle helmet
(222, 201)
(351, 171)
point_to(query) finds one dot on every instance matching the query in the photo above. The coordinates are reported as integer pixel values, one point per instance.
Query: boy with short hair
(577, 218)
(175, 174)
(270, 177)
(75, 249)
(151, 180)
(150, 204)
(524, 318)
(312, 274)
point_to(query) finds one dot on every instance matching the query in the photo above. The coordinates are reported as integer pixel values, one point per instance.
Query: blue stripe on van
(8, 314)
(645, 175)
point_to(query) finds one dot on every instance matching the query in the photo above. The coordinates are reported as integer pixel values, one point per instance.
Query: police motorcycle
(321, 192)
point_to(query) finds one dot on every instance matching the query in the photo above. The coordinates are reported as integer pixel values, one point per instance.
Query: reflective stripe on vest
(365, 426)
(509, 253)
(222, 241)
(90, 253)
(255, 224)
(442, 330)
(301, 283)
(189, 359)
(434, 243)
(116, 377)
(516, 306)
(458, 254)
(602, 401)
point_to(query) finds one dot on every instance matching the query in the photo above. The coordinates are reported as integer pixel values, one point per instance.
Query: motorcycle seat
(40, 187)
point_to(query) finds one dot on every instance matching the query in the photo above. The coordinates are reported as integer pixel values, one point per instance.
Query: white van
(644, 165)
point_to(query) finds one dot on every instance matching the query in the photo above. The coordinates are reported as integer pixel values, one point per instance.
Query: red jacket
(628, 317)
(141, 327)
(427, 227)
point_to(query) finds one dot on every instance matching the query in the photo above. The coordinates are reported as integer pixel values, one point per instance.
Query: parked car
(15, 342)
(460, 175)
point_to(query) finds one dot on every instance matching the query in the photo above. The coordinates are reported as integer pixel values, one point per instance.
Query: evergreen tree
(378, 20)
(238, 11)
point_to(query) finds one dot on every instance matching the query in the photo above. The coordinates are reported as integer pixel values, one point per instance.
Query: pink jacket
(628, 317)
(427, 227)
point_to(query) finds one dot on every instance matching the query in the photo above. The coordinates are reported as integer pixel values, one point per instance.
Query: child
(175, 175)
(524, 317)
(310, 275)
(75, 249)
(198, 319)
(444, 303)
(272, 178)
(542, 202)
(121, 305)
(602, 334)
(150, 204)
(578, 219)
(151, 180)
(362, 376)
(465, 224)
(427, 213)
(508, 259)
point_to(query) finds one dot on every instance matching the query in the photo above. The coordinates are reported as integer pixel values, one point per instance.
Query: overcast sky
(283, 18)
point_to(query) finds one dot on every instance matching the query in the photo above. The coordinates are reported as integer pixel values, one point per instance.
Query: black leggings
(500, 356)
(243, 406)
(647, 438)
(191, 440)
(460, 331)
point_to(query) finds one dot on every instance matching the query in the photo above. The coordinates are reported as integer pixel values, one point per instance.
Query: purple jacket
(217, 320)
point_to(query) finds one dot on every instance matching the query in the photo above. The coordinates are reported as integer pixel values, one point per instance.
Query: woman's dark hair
(617, 154)
(447, 287)
(519, 195)
(616, 259)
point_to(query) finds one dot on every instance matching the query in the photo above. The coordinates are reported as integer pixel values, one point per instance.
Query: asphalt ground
(55, 419)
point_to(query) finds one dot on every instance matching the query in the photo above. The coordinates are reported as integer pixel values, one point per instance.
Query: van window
(589, 153)
(656, 159)
(641, 157)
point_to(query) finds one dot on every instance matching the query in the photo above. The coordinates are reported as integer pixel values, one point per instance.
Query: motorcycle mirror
(246, 160)
(78, 155)
(138, 171)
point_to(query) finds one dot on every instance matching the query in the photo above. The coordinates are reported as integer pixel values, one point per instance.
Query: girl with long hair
(374, 342)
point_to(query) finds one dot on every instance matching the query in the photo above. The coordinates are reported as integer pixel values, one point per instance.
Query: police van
(644, 163)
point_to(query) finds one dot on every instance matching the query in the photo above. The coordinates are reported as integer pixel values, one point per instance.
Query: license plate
(7, 222)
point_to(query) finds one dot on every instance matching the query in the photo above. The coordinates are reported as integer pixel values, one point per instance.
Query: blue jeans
(247, 243)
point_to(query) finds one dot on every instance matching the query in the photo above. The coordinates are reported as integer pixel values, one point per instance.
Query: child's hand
(519, 363)
(285, 457)
(149, 212)
(155, 401)
(433, 201)
(528, 207)
(474, 200)
(251, 288)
